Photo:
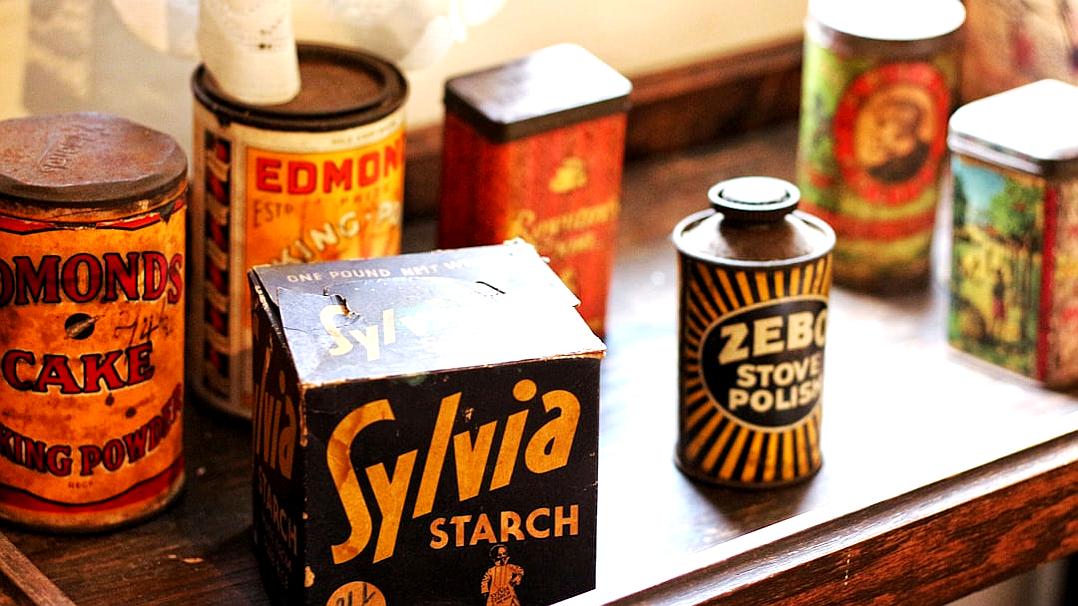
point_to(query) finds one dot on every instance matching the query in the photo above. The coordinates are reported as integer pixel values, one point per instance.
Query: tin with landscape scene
(1014, 272)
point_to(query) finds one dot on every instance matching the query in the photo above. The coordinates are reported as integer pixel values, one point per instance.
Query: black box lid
(421, 313)
(550, 88)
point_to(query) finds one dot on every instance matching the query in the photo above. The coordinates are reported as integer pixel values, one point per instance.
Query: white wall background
(67, 55)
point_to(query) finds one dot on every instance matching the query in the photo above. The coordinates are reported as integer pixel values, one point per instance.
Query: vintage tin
(533, 150)
(880, 80)
(1014, 275)
(91, 320)
(426, 431)
(319, 177)
(754, 281)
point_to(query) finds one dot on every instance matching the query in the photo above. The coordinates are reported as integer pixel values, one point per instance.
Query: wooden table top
(941, 474)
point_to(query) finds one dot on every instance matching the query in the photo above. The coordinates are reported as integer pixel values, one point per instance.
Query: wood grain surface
(941, 475)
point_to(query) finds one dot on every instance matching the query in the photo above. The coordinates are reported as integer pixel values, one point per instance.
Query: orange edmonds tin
(91, 320)
(318, 178)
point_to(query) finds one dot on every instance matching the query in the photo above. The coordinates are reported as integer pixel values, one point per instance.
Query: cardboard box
(425, 431)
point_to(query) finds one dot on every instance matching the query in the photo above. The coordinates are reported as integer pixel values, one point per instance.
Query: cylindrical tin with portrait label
(91, 321)
(880, 80)
(754, 281)
(315, 179)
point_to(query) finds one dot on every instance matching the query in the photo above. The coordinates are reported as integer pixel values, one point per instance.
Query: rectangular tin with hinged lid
(425, 430)
(533, 149)
(1014, 272)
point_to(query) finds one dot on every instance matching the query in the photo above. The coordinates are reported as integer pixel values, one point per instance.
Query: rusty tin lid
(753, 223)
(895, 30)
(1032, 128)
(85, 166)
(550, 88)
(340, 88)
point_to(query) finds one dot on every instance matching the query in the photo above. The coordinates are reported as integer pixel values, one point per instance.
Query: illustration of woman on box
(501, 579)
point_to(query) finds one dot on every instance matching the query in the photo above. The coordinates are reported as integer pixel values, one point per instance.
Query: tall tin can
(533, 150)
(318, 178)
(1014, 274)
(91, 321)
(880, 80)
(755, 275)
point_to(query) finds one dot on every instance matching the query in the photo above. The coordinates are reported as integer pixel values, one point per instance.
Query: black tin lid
(1032, 128)
(86, 161)
(339, 88)
(479, 307)
(550, 88)
(754, 198)
(895, 30)
(753, 222)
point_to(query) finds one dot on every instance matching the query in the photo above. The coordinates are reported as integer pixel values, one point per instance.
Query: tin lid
(550, 88)
(753, 222)
(893, 31)
(890, 20)
(85, 161)
(340, 88)
(1032, 128)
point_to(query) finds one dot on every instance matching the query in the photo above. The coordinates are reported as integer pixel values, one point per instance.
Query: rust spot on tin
(79, 325)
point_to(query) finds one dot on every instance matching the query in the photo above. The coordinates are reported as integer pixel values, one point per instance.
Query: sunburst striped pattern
(713, 444)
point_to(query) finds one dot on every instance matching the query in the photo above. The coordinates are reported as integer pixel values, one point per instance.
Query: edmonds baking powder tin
(754, 281)
(880, 82)
(318, 178)
(91, 320)
(1014, 273)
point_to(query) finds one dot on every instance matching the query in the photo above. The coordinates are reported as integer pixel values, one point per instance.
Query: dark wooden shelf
(941, 474)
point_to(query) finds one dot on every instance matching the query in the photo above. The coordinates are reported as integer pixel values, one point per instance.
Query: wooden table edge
(1024, 505)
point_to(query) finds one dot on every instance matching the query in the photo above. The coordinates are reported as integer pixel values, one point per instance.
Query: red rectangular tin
(533, 149)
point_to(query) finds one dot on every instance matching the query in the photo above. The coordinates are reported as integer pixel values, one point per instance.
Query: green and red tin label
(872, 142)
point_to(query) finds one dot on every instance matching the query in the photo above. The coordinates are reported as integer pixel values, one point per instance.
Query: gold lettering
(507, 454)
(561, 520)
(483, 531)
(339, 462)
(767, 336)
(821, 328)
(511, 526)
(439, 538)
(458, 523)
(529, 524)
(733, 349)
(549, 448)
(439, 443)
(286, 443)
(472, 459)
(390, 495)
(799, 333)
(341, 345)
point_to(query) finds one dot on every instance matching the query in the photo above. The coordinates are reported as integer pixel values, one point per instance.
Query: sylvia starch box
(425, 431)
